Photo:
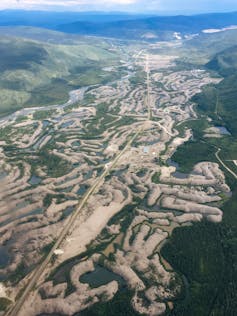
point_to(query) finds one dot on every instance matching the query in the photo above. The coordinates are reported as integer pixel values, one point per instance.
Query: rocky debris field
(50, 159)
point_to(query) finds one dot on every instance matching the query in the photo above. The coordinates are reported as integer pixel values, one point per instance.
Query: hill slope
(225, 62)
(219, 102)
(35, 73)
(160, 27)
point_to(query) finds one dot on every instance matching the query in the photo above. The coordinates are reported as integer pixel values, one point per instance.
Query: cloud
(63, 3)
(127, 5)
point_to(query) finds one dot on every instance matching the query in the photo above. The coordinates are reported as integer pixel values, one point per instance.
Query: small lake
(76, 143)
(46, 123)
(4, 257)
(68, 211)
(179, 175)
(34, 180)
(172, 163)
(100, 276)
(223, 130)
(66, 124)
(82, 189)
(3, 175)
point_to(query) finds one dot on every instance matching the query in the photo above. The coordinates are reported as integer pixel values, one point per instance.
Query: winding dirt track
(148, 87)
(224, 165)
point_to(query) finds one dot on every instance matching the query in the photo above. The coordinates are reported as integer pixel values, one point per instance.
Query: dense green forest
(40, 73)
(206, 253)
(119, 306)
(219, 102)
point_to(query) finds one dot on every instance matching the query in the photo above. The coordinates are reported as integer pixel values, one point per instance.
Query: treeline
(206, 253)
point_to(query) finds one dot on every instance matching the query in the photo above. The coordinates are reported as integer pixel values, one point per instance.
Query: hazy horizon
(108, 12)
(163, 7)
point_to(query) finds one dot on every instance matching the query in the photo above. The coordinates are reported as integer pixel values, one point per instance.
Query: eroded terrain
(92, 184)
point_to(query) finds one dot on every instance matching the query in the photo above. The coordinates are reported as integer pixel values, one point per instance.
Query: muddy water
(74, 96)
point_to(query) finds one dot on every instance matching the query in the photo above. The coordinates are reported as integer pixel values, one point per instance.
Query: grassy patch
(56, 167)
(4, 303)
(20, 54)
(43, 115)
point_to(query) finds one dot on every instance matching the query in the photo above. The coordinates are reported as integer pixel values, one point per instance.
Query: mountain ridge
(118, 25)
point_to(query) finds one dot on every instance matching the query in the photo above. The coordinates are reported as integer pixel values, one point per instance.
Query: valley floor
(91, 185)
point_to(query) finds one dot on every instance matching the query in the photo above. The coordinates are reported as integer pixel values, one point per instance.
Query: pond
(101, 276)
(172, 163)
(179, 175)
(4, 257)
(46, 123)
(82, 189)
(34, 180)
(66, 124)
(76, 143)
(176, 174)
(3, 175)
(223, 130)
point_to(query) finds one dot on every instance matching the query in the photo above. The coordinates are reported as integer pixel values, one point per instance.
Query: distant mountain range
(52, 20)
(159, 27)
(120, 25)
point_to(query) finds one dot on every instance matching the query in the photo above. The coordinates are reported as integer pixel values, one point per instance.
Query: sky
(142, 6)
